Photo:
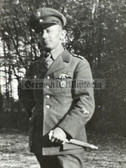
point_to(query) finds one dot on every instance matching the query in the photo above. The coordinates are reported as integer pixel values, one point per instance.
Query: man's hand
(58, 135)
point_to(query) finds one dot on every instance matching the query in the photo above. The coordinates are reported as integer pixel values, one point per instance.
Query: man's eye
(48, 30)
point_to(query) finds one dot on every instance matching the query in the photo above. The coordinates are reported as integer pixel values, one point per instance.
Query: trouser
(61, 161)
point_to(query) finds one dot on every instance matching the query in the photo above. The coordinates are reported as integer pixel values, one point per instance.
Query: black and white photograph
(62, 84)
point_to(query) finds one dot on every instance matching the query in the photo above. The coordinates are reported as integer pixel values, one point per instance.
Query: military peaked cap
(46, 16)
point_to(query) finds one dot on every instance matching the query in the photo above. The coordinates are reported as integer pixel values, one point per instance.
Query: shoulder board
(78, 56)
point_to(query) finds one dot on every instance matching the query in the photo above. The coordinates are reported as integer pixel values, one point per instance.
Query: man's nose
(44, 34)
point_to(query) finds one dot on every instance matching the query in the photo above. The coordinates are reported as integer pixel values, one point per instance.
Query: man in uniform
(65, 101)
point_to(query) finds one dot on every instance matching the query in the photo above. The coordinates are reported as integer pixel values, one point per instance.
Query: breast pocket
(63, 82)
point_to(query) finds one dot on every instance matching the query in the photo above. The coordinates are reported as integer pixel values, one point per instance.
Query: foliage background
(96, 30)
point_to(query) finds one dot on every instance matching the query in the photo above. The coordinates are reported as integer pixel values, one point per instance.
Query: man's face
(51, 37)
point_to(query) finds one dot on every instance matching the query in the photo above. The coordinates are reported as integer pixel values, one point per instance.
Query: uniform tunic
(63, 97)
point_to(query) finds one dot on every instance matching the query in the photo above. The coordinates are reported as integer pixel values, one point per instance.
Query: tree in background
(1, 102)
(96, 30)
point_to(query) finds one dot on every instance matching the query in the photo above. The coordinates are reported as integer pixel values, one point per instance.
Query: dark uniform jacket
(61, 96)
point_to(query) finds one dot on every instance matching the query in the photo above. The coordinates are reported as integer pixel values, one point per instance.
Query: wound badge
(40, 20)
(63, 84)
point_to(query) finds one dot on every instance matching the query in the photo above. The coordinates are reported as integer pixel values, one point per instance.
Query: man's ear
(63, 36)
(64, 33)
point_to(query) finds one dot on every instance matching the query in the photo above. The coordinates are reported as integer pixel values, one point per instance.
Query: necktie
(48, 60)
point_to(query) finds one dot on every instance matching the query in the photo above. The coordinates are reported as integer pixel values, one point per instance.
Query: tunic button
(47, 106)
(47, 96)
(47, 87)
(35, 76)
(48, 77)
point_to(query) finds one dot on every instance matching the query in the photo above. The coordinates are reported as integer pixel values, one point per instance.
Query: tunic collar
(57, 52)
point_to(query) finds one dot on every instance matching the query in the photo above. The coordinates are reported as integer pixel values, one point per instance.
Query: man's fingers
(52, 139)
(56, 140)
(50, 135)
(57, 136)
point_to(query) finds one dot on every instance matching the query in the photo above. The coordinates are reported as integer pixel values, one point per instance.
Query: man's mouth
(46, 42)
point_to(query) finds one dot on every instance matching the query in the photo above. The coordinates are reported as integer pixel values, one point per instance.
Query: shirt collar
(55, 53)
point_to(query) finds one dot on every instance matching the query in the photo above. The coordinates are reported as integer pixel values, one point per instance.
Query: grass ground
(14, 151)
